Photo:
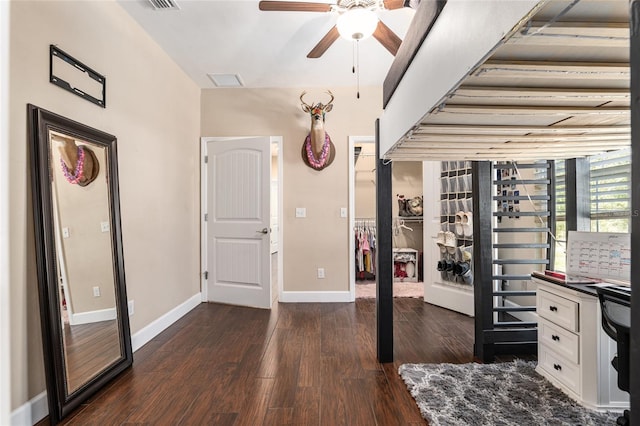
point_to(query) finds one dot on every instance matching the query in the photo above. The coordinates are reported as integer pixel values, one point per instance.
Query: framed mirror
(83, 303)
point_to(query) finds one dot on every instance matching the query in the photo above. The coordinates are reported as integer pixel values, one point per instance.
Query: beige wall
(320, 239)
(406, 179)
(365, 182)
(86, 252)
(153, 109)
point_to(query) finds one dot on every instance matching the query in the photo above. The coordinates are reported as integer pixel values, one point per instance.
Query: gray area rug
(493, 394)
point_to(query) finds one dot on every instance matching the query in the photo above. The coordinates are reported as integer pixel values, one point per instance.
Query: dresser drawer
(559, 339)
(558, 310)
(559, 368)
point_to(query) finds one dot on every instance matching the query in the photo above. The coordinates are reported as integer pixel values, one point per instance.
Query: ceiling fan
(357, 20)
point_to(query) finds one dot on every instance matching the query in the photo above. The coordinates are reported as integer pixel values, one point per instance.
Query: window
(560, 237)
(611, 191)
(610, 194)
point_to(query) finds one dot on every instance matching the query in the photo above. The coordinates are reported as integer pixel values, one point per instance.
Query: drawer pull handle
(556, 338)
(553, 309)
(557, 367)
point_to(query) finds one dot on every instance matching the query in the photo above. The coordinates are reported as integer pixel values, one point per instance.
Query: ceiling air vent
(226, 80)
(164, 4)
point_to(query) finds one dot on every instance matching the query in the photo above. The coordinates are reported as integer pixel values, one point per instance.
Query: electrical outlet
(320, 273)
(130, 306)
(65, 232)
(96, 291)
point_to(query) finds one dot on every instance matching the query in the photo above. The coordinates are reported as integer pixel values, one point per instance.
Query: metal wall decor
(67, 72)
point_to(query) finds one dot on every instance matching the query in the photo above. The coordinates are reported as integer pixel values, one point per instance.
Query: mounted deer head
(318, 151)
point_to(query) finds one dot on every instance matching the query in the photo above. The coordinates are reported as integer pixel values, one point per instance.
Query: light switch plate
(104, 226)
(343, 212)
(301, 212)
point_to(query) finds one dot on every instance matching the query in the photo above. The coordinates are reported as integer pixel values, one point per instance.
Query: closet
(408, 218)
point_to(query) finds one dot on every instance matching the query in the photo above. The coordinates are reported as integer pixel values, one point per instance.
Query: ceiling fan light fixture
(357, 23)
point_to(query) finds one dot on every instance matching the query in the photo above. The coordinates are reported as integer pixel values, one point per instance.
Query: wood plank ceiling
(558, 87)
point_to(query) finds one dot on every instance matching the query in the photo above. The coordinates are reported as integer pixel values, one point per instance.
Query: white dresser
(574, 353)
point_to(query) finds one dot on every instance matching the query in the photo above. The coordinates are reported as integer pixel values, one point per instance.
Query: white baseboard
(455, 298)
(37, 408)
(147, 333)
(31, 412)
(92, 316)
(522, 316)
(316, 296)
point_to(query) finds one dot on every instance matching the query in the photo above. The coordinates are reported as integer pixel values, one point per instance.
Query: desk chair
(616, 320)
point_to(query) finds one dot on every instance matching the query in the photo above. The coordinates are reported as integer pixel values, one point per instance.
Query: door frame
(274, 140)
(5, 305)
(353, 140)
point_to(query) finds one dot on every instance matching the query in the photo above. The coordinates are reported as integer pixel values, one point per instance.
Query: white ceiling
(267, 49)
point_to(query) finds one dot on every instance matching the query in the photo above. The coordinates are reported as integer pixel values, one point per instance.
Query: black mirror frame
(40, 122)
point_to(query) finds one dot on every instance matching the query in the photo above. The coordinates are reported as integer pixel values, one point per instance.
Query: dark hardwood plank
(298, 364)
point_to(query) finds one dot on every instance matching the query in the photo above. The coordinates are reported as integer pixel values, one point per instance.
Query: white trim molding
(156, 327)
(92, 316)
(31, 412)
(353, 140)
(315, 296)
(5, 299)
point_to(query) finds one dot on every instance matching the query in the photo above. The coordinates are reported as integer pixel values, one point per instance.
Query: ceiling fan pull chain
(358, 67)
(353, 58)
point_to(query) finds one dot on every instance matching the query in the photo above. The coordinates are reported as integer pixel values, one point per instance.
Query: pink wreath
(318, 163)
(78, 172)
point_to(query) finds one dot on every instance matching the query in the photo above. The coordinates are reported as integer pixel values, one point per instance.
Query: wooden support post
(635, 205)
(578, 194)
(482, 259)
(384, 271)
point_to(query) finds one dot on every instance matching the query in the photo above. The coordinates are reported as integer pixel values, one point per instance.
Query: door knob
(264, 231)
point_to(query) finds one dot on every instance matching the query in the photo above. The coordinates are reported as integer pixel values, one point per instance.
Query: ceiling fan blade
(387, 38)
(325, 43)
(394, 4)
(294, 6)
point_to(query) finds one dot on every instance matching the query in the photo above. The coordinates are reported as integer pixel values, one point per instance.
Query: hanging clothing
(365, 249)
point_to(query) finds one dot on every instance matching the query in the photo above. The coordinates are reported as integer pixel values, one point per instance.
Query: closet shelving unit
(455, 196)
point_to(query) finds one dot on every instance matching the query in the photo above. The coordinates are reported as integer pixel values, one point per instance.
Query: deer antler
(303, 102)
(330, 94)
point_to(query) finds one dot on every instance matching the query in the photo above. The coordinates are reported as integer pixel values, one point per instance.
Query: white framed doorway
(238, 253)
(5, 305)
(369, 141)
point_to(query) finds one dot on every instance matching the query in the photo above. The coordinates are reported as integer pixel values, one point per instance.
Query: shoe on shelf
(449, 265)
(458, 224)
(450, 242)
(440, 240)
(467, 224)
(466, 253)
(461, 268)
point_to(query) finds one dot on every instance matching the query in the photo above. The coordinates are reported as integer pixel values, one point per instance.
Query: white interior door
(238, 221)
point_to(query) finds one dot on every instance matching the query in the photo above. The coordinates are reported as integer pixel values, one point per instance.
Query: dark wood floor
(299, 364)
(89, 349)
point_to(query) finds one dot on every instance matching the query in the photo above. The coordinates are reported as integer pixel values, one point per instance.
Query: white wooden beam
(531, 110)
(518, 130)
(553, 70)
(593, 34)
(542, 94)
(487, 139)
